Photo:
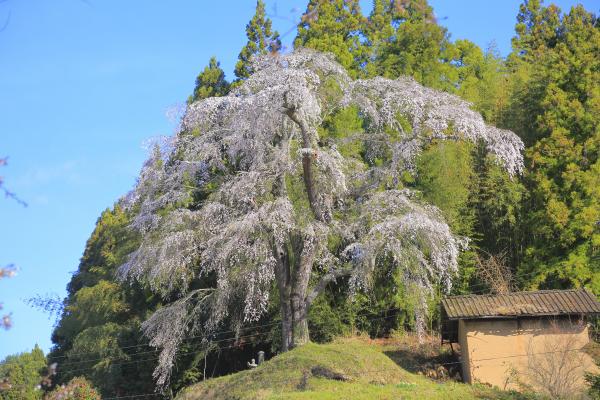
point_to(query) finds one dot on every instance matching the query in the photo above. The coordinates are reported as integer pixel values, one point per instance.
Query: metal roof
(542, 302)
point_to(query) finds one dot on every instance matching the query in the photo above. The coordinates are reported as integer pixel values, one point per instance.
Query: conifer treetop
(262, 39)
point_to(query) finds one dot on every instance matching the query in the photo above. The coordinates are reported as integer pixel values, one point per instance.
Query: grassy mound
(346, 369)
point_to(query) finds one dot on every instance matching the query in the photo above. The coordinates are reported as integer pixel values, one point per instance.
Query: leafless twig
(494, 272)
(557, 367)
(8, 193)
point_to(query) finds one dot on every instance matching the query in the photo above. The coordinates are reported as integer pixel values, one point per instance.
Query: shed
(512, 339)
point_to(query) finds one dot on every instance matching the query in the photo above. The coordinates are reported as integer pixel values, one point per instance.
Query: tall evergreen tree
(556, 104)
(23, 373)
(481, 78)
(406, 40)
(379, 32)
(537, 31)
(262, 39)
(99, 328)
(334, 26)
(210, 82)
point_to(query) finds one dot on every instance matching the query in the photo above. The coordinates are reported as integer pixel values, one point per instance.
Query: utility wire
(255, 335)
(191, 339)
(295, 379)
(213, 334)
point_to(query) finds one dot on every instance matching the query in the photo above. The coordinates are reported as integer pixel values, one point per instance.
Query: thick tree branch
(324, 281)
(306, 160)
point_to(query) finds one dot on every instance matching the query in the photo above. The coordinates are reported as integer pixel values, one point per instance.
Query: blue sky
(83, 84)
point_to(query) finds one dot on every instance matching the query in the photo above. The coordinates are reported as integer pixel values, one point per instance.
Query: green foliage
(107, 247)
(334, 26)
(343, 128)
(390, 307)
(593, 381)
(261, 40)
(344, 123)
(478, 199)
(481, 79)
(210, 82)
(99, 329)
(24, 373)
(405, 39)
(497, 203)
(77, 389)
(330, 94)
(556, 109)
(325, 320)
(94, 304)
(444, 176)
(297, 194)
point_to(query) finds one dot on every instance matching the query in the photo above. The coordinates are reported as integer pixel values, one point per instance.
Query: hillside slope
(346, 369)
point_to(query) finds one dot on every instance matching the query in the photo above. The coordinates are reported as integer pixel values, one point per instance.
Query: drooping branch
(222, 201)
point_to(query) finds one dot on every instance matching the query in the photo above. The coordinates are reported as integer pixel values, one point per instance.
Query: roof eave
(506, 316)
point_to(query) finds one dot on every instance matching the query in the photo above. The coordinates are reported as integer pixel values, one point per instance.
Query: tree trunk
(294, 324)
(287, 333)
(293, 288)
(283, 278)
(300, 326)
(303, 250)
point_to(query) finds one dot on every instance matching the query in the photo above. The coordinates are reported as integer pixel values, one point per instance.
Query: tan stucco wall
(508, 353)
(464, 353)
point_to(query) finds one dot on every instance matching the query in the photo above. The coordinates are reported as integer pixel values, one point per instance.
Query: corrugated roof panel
(585, 300)
(541, 305)
(487, 302)
(542, 302)
(504, 305)
(565, 304)
(478, 306)
(570, 302)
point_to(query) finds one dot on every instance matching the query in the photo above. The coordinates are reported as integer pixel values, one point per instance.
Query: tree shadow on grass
(428, 358)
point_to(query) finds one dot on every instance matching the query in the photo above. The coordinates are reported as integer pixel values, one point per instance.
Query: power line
(295, 379)
(195, 352)
(154, 351)
(255, 335)
(148, 344)
(192, 338)
(203, 336)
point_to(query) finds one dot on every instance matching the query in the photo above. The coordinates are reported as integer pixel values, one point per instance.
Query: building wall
(464, 353)
(511, 352)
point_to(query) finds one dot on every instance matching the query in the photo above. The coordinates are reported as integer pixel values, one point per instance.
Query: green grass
(367, 371)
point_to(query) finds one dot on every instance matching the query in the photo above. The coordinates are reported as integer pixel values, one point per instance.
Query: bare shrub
(495, 274)
(556, 365)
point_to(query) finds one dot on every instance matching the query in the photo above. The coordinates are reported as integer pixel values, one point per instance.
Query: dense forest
(535, 218)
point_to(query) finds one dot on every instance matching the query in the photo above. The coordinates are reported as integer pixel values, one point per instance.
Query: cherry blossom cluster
(216, 203)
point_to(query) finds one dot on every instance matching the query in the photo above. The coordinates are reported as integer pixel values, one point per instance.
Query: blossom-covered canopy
(229, 192)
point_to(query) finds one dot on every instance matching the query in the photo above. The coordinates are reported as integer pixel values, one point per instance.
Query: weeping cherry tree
(251, 198)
